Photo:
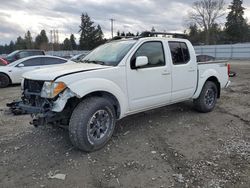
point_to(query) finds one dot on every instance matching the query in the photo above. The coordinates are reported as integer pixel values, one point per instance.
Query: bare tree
(205, 13)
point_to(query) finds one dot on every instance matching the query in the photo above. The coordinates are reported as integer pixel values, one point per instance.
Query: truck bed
(218, 68)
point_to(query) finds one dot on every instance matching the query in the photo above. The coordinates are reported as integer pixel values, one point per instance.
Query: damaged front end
(46, 102)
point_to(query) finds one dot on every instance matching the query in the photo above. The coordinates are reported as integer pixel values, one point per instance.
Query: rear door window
(53, 61)
(179, 52)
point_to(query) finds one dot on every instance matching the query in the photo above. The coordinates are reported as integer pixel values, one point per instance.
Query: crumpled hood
(54, 72)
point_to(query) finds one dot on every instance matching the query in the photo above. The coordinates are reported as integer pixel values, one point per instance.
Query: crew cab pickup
(117, 79)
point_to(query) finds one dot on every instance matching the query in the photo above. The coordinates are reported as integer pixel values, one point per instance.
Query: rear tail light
(5, 62)
(228, 69)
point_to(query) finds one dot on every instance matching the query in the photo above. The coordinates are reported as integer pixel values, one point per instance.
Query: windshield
(12, 54)
(109, 54)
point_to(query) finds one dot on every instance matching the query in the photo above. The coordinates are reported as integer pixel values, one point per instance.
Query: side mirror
(141, 61)
(20, 65)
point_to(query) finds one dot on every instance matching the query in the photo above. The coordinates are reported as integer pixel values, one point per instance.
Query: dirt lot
(172, 146)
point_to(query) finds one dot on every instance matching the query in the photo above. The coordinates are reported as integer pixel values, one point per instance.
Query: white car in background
(12, 73)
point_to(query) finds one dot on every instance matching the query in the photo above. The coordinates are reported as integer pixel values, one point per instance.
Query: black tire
(4, 80)
(207, 99)
(83, 131)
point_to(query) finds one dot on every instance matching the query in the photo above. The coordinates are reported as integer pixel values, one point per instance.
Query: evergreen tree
(98, 36)
(194, 34)
(11, 47)
(236, 25)
(129, 34)
(38, 41)
(67, 44)
(41, 41)
(20, 43)
(217, 35)
(28, 40)
(44, 37)
(118, 33)
(123, 34)
(73, 42)
(87, 35)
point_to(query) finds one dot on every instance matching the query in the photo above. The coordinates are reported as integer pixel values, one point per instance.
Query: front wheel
(207, 99)
(92, 124)
(4, 80)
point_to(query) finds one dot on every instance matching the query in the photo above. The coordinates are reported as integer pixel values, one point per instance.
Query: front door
(150, 85)
(26, 66)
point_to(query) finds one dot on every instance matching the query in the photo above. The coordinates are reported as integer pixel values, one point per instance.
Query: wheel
(207, 99)
(92, 124)
(4, 80)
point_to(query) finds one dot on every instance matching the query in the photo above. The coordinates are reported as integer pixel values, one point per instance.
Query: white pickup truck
(118, 79)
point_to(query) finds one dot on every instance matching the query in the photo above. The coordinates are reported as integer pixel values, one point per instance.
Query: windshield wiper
(94, 61)
(98, 62)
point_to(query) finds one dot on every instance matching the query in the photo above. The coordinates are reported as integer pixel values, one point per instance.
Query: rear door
(149, 85)
(184, 71)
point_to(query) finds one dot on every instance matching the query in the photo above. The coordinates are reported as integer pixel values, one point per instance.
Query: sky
(19, 16)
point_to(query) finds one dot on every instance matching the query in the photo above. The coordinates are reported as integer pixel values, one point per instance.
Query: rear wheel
(4, 80)
(92, 124)
(207, 99)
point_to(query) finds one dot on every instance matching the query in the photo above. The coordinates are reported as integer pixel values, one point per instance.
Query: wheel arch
(202, 82)
(108, 96)
(101, 87)
(217, 83)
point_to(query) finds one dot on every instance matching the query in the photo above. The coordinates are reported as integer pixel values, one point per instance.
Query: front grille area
(32, 96)
(34, 86)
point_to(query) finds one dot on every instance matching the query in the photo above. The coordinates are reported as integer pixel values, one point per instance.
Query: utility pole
(112, 27)
(57, 37)
(51, 40)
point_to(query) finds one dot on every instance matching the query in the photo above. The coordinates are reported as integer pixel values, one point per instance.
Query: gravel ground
(173, 146)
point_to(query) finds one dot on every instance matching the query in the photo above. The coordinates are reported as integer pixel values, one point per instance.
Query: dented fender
(84, 87)
(60, 103)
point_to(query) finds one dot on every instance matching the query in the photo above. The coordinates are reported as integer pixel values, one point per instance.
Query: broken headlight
(52, 89)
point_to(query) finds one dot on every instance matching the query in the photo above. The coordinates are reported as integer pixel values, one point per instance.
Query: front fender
(202, 79)
(86, 86)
